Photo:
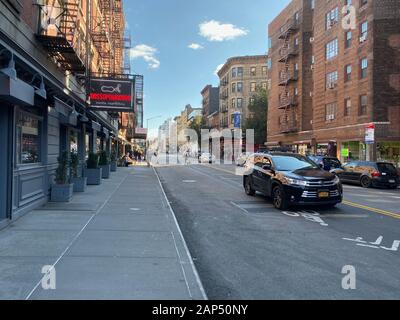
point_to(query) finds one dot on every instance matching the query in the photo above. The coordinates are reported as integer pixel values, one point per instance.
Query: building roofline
(240, 58)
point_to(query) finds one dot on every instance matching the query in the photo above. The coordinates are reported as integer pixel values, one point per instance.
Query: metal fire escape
(288, 100)
(58, 33)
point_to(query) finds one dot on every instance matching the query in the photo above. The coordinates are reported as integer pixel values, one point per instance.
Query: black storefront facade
(39, 118)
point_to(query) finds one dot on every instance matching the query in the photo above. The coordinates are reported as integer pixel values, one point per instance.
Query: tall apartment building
(210, 106)
(332, 82)
(239, 79)
(44, 58)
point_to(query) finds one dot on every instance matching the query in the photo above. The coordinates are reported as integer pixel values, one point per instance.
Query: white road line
(203, 292)
(76, 238)
(239, 207)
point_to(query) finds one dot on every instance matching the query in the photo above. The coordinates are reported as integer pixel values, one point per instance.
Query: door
(6, 143)
(348, 171)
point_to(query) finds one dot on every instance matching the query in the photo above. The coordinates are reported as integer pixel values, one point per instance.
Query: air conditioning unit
(363, 38)
(331, 85)
(312, 67)
(312, 39)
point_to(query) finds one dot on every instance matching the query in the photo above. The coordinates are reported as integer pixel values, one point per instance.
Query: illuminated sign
(112, 95)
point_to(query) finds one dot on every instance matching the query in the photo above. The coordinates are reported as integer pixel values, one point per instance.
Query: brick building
(239, 79)
(331, 80)
(44, 63)
(210, 106)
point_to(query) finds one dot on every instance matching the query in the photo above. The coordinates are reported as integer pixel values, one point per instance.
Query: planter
(106, 171)
(79, 184)
(62, 192)
(93, 176)
(113, 166)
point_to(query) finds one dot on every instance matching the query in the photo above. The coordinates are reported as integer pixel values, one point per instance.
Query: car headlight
(296, 182)
(336, 180)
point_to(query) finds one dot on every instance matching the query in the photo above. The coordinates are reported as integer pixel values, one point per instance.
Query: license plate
(392, 181)
(323, 194)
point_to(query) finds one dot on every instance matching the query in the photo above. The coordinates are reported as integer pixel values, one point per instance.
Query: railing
(292, 24)
(289, 127)
(224, 109)
(287, 77)
(285, 53)
(223, 96)
(288, 101)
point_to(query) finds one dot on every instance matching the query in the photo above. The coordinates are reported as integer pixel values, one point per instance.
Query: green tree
(197, 124)
(258, 119)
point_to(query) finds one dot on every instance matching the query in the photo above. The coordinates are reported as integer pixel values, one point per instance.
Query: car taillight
(376, 174)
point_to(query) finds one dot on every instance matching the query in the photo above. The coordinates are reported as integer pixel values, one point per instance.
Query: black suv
(370, 174)
(291, 179)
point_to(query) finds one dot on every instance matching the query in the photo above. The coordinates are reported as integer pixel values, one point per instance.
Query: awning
(16, 91)
(67, 114)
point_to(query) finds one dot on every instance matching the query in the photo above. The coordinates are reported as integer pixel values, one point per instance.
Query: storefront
(389, 152)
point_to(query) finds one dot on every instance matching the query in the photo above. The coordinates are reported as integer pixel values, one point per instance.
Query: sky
(179, 44)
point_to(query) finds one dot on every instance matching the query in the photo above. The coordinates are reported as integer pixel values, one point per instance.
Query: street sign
(370, 134)
(114, 95)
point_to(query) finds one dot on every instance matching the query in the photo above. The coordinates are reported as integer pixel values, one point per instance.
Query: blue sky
(163, 30)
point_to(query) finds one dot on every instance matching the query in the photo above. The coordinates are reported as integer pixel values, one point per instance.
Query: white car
(207, 158)
(241, 160)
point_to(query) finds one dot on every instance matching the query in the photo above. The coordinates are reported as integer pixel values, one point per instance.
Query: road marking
(375, 245)
(383, 212)
(189, 181)
(219, 169)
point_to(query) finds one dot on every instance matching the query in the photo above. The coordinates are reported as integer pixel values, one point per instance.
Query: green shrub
(62, 169)
(93, 161)
(113, 156)
(104, 159)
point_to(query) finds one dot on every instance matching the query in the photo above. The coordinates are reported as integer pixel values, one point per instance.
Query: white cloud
(143, 51)
(218, 68)
(195, 46)
(217, 31)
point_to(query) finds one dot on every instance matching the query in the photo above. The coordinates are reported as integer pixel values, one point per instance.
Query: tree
(197, 124)
(257, 121)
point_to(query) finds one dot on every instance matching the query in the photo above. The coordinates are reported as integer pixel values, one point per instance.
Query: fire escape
(288, 99)
(58, 33)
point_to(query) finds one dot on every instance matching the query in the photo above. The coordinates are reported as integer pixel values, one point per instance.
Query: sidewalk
(119, 240)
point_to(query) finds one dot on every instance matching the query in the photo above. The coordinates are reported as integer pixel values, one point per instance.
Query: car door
(348, 171)
(257, 174)
(267, 175)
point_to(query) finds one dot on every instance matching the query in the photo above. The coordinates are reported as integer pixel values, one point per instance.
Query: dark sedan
(291, 179)
(370, 174)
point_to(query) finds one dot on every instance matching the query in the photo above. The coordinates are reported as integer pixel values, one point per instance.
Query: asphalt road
(243, 248)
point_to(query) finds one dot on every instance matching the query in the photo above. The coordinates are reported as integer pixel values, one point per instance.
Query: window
(347, 107)
(240, 72)
(239, 87)
(253, 87)
(332, 49)
(296, 41)
(363, 105)
(364, 68)
(331, 80)
(239, 102)
(269, 63)
(234, 72)
(28, 136)
(363, 31)
(330, 111)
(252, 100)
(253, 71)
(233, 103)
(363, 2)
(312, 4)
(233, 87)
(348, 2)
(332, 18)
(264, 70)
(264, 85)
(348, 39)
(73, 141)
(347, 73)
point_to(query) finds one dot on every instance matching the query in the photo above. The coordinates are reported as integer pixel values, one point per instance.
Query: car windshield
(387, 168)
(292, 163)
(333, 163)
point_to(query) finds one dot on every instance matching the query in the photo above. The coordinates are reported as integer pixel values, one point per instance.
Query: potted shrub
(93, 172)
(78, 181)
(113, 162)
(62, 191)
(104, 164)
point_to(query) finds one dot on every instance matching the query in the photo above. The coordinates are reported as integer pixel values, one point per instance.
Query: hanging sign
(370, 134)
(114, 95)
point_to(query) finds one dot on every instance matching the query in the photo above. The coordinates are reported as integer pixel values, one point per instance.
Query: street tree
(257, 120)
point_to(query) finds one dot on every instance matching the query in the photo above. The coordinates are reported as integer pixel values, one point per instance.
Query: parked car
(291, 179)
(207, 158)
(241, 160)
(327, 163)
(370, 174)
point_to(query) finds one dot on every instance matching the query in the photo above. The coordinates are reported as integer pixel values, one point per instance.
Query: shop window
(28, 138)
(87, 145)
(389, 152)
(73, 141)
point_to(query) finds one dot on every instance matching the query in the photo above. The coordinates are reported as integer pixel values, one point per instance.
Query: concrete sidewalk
(119, 240)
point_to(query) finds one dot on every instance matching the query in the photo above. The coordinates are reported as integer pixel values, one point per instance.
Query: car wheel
(279, 198)
(366, 182)
(248, 187)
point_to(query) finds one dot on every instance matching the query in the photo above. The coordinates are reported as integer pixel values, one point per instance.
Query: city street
(243, 248)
